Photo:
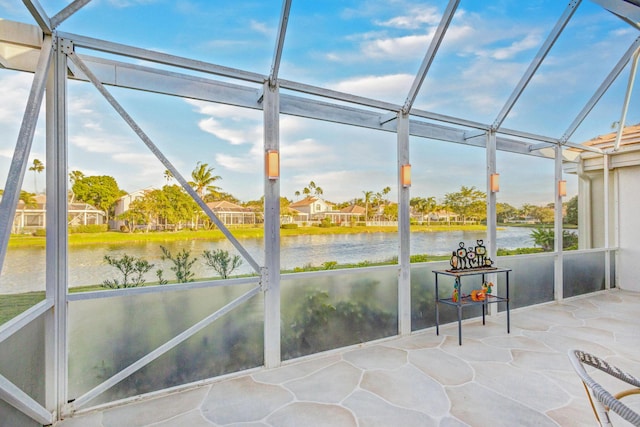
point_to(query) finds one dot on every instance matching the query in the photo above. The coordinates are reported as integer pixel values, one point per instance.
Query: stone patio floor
(494, 379)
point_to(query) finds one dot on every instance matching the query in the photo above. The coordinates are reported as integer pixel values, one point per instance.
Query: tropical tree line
(171, 205)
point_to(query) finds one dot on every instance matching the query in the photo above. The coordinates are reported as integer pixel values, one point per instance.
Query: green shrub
(132, 270)
(325, 223)
(90, 228)
(40, 232)
(289, 226)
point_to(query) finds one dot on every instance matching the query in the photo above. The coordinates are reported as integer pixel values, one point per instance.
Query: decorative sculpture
(470, 258)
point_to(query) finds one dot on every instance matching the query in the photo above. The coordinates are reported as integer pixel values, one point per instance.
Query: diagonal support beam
(65, 13)
(20, 400)
(18, 166)
(628, 11)
(277, 54)
(39, 15)
(627, 98)
(167, 164)
(172, 343)
(608, 81)
(533, 67)
(431, 53)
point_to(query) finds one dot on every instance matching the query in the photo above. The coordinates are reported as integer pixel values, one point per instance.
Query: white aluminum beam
(608, 81)
(627, 98)
(628, 11)
(492, 226)
(131, 292)
(282, 31)
(65, 13)
(449, 119)
(39, 15)
(607, 257)
(386, 118)
(271, 273)
(23, 319)
(558, 281)
(20, 158)
(404, 231)
(57, 280)
(154, 149)
(161, 58)
(19, 45)
(431, 53)
(338, 96)
(542, 53)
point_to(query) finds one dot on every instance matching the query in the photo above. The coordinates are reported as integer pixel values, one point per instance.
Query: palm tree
(37, 167)
(168, 176)
(297, 194)
(29, 199)
(203, 179)
(431, 206)
(385, 191)
(318, 191)
(74, 176)
(367, 199)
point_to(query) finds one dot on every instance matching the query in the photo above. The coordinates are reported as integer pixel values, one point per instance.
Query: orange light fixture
(272, 164)
(405, 175)
(494, 182)
(562, 188)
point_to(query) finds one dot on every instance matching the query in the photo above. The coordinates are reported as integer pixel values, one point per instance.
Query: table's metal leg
(437, 308)
(484, 309)
(508, 319)
(459, 323)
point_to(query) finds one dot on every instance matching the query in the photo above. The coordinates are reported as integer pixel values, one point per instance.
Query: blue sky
(371, 48)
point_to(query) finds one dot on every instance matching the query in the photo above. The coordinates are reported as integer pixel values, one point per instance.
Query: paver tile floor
(494, 379)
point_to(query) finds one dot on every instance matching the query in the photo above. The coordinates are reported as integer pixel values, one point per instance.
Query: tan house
(310, 209)
(31, 218)
(232, 214)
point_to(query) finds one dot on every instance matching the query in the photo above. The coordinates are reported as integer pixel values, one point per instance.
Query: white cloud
(146, 164)
(399, 47)
(244, 164)
(530, 41)
(416, 18)
(378, 87)
(96, 143)
(246, 133)
(14, 92)
(6, 153)
(128, 3)
(261, 28)
(224, 111)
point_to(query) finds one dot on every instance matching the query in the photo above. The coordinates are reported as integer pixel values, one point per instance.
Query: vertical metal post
(607, 258)
(271, 273)
(616, 222)
(56, 225)
(404, 231)
(492, 226)
(558, 282)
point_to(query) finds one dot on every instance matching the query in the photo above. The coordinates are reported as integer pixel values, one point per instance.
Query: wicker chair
(605, 401)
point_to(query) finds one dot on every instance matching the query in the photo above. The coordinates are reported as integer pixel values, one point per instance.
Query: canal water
(24, 268)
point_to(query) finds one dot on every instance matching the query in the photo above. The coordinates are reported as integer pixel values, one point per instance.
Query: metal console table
(465, 300)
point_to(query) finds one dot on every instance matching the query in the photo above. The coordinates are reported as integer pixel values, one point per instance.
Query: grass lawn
(238, 233)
